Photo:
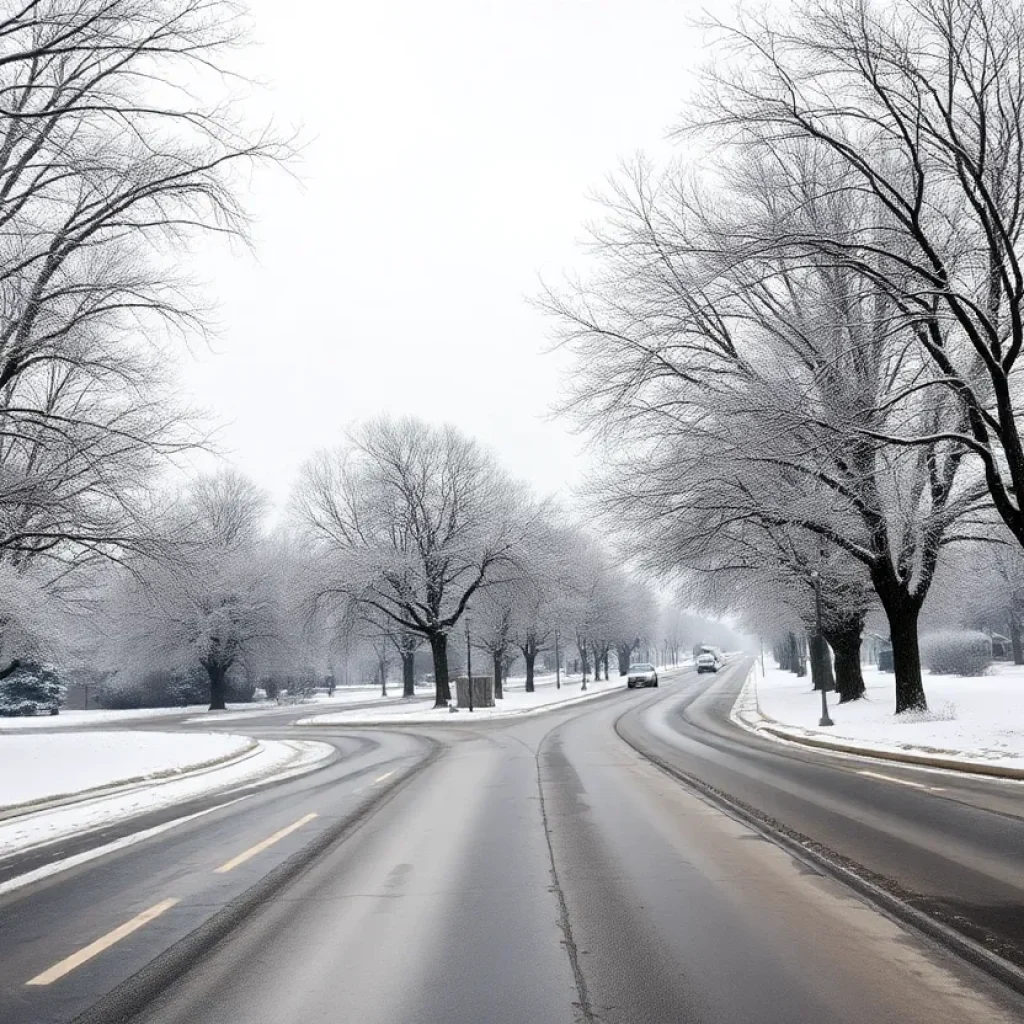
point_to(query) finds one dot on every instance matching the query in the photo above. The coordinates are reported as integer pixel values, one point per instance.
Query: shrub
(163, 689)
(957, 653)
(156, 689)
(31, 689)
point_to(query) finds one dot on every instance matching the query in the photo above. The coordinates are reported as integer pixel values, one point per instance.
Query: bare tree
(110, 166)
(919, 104)
(731, 384)
(410, 520)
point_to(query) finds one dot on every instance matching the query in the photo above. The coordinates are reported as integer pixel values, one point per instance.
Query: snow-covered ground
(978, 719)
(49, 765)
(269, 758)
(515, 702)
(77, 719)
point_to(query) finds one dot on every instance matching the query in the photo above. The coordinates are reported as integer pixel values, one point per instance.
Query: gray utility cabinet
(483, 692)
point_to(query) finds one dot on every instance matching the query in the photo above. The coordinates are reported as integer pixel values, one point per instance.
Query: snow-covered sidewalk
(515, 702)
(49, 765)
(974, 721)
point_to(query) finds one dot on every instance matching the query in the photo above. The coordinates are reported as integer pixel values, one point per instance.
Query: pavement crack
(583, 1003)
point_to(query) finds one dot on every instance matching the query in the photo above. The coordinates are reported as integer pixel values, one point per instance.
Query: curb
(11, 811)
(754, 720)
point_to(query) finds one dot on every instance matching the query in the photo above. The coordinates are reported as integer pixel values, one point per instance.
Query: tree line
(799, 342)
(390, 542)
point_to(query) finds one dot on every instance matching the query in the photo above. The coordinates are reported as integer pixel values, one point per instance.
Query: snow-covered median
(269, 759)
(515, 702)
(976, 720)
(50, 765)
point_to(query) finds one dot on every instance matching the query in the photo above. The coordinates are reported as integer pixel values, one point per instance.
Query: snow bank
(47, 765)
(271, 759)
(978, 719)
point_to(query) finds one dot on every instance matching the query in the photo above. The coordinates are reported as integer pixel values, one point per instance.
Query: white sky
(450, 149)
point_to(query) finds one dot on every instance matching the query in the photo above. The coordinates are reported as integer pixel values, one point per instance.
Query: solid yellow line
(260, 847)
(381, 778)
(94, 948)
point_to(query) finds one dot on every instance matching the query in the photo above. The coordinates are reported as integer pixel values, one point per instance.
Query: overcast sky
(450, 149)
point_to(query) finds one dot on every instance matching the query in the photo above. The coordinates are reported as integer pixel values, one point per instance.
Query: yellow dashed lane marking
(260, 847)
(105, 942)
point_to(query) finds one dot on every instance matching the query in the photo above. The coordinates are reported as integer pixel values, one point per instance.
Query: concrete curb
(47, 803)
(747, 714)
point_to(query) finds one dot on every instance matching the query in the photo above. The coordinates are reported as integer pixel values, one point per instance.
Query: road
(540, 869)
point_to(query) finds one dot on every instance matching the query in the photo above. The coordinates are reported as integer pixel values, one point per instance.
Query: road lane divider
(265, 844)
(381, 778)
(901, 782)
(86, 953)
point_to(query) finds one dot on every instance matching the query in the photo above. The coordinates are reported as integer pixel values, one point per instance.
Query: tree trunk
(408, 673)
(439, 649)
(1013, 624)
(529, 656)
(796, 663)
(623, 652)
(821, 662)
(846, 644)
(497, 657)
(902, 613)
(218, 686)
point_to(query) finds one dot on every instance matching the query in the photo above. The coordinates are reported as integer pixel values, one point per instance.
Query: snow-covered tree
(913, 109)
(213, 598)
(731, 387)
(410, 520)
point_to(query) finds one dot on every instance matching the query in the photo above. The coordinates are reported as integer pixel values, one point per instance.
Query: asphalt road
(538, 870)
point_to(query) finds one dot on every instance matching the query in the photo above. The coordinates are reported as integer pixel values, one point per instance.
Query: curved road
(540, 869)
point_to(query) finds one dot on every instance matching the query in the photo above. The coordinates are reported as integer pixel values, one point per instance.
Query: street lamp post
(558, 664)
(819, 639)
(469, 665)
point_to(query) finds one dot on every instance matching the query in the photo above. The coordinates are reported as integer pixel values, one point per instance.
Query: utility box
(483, 692)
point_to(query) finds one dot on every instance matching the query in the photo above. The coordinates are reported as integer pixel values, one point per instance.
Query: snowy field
(60, 764)
(515, 702)
(978, 719)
